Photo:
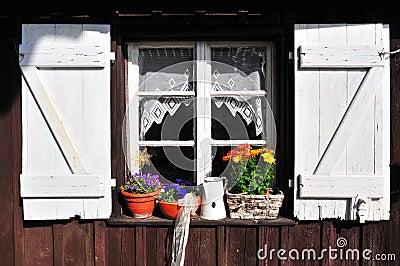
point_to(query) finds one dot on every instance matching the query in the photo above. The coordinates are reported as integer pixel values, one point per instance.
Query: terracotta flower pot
(170, 209)
(140, 205)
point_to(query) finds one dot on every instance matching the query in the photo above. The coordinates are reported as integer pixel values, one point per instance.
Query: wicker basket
(245, 206)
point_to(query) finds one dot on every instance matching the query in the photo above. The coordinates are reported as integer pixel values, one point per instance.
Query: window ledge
(124, 220)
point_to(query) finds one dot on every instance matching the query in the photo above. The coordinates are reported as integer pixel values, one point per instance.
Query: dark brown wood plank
(242, 245)
(114, 246)
(268, 239)
(328, 236)
(17, 164)
(164, 245)
(197, 221)
(58, 243)
(394, 237)
(234, 245)
(301, 11)
(140, 245)
(374, 238)
(251, 246)
(38, 245)
(118, 81)
(351, 233)
(128, 246)
(77, 243)
(6, 191)
(100, 232)
(300, 237)
(222, 255)
(6, 161)
(151, 244)
(195, 247)
(395, 101)
(343, 236)
(383, 238)
(159, 240)
(201, 247)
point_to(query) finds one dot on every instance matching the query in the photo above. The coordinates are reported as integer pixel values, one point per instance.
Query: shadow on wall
(9, 70)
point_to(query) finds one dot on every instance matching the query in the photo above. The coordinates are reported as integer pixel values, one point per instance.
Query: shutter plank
(61, 186)
(351, 119)
(332, 89)
(53, 119)
(80, 95)
(341, 56)
(341, 186)
(348, 123)
(61, 55)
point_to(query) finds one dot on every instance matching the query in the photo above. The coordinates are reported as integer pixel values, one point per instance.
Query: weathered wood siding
(95, 242)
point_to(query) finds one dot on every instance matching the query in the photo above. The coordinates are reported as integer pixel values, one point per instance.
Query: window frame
(202, 73)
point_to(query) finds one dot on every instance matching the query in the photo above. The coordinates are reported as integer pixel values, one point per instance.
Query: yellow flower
(142, 158)
(236, 159)
(268, 158)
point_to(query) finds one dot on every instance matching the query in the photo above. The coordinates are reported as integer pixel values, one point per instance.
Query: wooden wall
(97, 243)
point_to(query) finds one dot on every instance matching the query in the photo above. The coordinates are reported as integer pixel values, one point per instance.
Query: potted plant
(171, 194)
(141, 190)
(251, 195)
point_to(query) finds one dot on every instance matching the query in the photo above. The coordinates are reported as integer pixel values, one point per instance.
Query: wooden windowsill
(124, 220)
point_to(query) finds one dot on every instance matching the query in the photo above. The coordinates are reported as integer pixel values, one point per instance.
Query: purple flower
(140, 184)
(181, 193)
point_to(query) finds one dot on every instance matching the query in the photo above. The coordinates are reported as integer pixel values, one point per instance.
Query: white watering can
(212, 200)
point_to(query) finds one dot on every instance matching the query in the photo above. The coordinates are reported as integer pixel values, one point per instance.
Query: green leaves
(254, 177)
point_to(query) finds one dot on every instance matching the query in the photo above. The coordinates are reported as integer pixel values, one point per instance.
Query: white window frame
(202, 110)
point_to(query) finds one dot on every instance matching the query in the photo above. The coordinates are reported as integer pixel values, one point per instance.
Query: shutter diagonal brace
(364, 95)
(53, 120)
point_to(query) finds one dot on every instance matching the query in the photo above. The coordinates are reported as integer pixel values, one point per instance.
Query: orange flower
(255, 152)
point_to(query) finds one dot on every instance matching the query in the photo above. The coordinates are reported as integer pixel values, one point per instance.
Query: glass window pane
(240, 118)
(238, 68)
(164, 69)
(172, 163)
(166, 118)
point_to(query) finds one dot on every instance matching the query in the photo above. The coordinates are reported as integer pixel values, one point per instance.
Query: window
(189, 103)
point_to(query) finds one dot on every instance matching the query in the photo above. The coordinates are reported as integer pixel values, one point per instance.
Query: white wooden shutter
(66, 162)
(342, 122)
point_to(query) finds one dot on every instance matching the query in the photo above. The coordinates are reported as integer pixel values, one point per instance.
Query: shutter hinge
(112, 57)
(291, 55)
(113, 182)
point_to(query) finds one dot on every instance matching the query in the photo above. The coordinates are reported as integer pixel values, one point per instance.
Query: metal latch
(362, 208)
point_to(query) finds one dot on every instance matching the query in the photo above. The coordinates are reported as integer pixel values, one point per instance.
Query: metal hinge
(112, 57)
(290, 183)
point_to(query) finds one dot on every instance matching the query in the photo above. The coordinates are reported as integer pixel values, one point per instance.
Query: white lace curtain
(171, 69)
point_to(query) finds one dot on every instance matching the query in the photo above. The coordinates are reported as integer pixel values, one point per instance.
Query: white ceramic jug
(212, 200)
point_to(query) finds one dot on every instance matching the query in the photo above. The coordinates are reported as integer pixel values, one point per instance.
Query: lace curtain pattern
(171, 69)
